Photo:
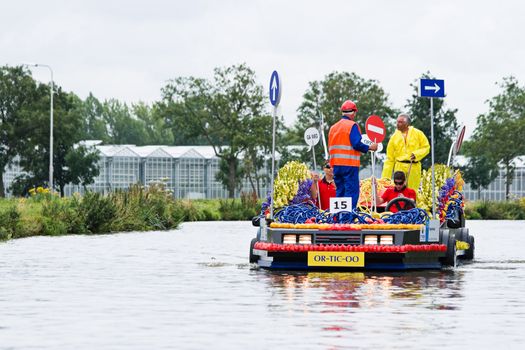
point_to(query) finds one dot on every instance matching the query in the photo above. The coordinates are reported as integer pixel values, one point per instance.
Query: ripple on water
(194, 288)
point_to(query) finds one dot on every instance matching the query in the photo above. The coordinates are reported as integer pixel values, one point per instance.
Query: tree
(93, 119)
(82, 166)
(18, 91)
(326, 97)
(155, 126)
(445, 123)
(183, 102)
(479, 171)
(499, 132)
(71, 163)
(123, 127)
(227, 112)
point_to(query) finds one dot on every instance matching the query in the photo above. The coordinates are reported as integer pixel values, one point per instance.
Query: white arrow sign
(435, 87)
(274, 89)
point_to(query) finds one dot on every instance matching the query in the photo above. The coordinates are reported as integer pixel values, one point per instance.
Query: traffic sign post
(311, 137)
(432, 88)
(275, 98)
(321, 129)
(275, 89)
(375, 129)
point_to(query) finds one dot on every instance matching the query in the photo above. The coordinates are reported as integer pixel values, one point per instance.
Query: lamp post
(50, 123)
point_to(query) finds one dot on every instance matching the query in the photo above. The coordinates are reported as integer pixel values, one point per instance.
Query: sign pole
(432, 150)
(323, 137)
(273, 161)
(450, 156)
(375, 130)
(275, 98)
(311, 137)
(432, 88)
(374, 189)
(316, 182)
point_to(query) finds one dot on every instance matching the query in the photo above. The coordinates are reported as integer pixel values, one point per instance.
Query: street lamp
(50, 123)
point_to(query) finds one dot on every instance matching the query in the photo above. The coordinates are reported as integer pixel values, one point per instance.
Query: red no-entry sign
(375, 129)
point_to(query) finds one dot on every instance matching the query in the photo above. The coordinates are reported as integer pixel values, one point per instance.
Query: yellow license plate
(356, 259)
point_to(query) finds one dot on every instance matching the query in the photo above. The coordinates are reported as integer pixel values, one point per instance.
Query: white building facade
(188, 171)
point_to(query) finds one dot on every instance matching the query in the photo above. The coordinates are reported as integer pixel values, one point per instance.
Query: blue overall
(346, 178)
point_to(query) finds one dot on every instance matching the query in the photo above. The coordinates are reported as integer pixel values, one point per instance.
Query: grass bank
(139, 209)
(496, 210)
(136, 209)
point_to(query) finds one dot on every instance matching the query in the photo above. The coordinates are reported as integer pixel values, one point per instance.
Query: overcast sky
(129, 49)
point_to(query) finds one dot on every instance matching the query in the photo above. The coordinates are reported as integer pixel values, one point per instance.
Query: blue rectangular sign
(431, 88)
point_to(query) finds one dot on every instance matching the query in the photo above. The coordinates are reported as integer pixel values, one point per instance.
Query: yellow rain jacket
(398, 154)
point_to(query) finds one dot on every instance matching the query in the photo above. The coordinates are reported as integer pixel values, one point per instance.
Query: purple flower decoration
(303, 193)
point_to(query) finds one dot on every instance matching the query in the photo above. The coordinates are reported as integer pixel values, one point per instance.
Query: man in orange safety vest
(345, 148)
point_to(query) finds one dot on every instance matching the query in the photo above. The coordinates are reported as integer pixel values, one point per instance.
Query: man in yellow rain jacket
(406, 148)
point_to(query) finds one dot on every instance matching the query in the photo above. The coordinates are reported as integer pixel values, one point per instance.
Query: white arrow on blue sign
(275, 89)
(431, 88)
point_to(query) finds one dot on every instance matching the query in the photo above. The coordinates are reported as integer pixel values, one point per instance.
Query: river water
(192, 288)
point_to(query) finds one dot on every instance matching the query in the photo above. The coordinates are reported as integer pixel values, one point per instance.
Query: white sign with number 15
(338, 204)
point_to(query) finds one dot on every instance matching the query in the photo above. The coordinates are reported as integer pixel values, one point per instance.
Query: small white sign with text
(338, 204)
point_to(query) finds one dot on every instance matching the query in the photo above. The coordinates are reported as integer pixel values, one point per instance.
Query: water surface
(192, 288)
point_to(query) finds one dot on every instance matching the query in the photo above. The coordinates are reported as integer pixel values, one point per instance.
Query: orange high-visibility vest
(339, 146)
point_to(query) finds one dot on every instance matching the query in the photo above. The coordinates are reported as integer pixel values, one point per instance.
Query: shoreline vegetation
(139, 209)
(136, 209)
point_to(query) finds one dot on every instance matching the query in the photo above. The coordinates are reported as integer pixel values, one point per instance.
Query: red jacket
(326, 191)
(391, 193)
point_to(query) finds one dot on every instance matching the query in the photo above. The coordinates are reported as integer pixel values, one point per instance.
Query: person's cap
(348, 107)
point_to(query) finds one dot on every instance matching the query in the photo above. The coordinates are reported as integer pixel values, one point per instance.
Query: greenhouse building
(190, 172)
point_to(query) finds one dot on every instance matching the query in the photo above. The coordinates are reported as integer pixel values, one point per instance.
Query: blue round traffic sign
(275, 89)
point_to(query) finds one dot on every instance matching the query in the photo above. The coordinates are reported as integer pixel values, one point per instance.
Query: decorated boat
(299, 236)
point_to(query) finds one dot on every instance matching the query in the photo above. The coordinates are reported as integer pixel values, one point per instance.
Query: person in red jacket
(400, 189)
(326, 187)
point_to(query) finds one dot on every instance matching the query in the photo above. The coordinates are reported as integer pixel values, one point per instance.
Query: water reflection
(343, 291)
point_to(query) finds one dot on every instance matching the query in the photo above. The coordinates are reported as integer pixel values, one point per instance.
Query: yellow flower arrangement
(287, 182)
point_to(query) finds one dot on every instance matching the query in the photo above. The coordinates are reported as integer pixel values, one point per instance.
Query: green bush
(136, 209)
(188, 210)
(96, 212)
(243, 209)
(63, 216)
(495, 210)
(140, 209)
(9, 217)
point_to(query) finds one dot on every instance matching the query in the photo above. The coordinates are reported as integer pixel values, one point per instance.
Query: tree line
(230, 113)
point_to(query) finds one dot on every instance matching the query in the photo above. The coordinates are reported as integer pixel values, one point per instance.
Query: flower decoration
(449, 185)
(424, 195)
(291, 186)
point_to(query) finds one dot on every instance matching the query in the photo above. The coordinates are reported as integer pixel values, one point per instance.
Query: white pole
(316, 182)
(51, 135)
(432, 152)
(273, 163)
(323, 138)
(50, 121)
(373, 180)
(450, 154)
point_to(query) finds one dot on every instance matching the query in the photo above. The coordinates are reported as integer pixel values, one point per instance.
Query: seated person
(400, 189)
(326, 187)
